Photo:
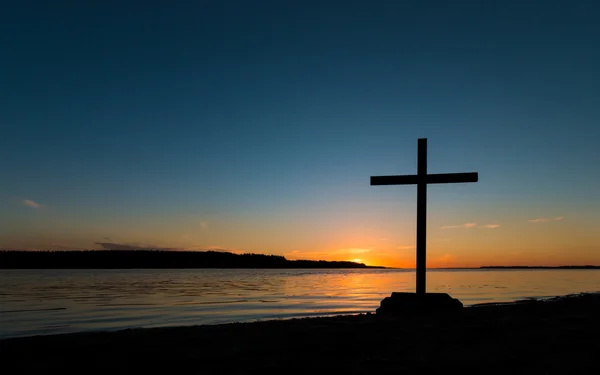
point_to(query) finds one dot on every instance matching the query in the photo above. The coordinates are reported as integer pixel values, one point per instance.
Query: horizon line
(175, 250)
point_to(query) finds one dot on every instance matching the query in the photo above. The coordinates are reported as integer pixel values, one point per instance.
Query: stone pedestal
(401, 303)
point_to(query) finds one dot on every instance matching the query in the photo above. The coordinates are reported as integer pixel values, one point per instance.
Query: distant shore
(586, 267)
(170, 259)
(156, 259)
(553, 336)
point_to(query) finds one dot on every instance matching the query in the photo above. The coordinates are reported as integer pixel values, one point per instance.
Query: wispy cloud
(489, 226)
(141, 246)
(465, 225)
(353, 250)
(471, 225)
(31, 203)
(204, 224)
(125, 246)
(545, 219)
(405, 247)
(215, 248)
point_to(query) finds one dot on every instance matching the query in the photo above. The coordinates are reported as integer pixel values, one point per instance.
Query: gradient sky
(254, 126)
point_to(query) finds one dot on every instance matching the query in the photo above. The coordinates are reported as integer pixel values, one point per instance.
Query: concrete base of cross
(407, 303)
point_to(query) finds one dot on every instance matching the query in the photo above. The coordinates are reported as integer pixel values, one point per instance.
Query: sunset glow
(251, 130)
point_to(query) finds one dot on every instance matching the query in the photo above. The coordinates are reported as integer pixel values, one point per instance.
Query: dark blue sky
(256, 110)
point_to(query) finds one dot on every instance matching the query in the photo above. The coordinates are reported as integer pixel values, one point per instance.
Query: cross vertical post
(421, 215)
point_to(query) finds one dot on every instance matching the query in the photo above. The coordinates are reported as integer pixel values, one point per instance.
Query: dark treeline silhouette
(543, 267)
(111, 259)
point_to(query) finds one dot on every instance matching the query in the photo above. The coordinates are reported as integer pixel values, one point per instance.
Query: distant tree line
(542, 267)
(112, 259)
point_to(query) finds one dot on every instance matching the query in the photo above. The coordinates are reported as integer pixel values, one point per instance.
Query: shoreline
(331, 314)
(546, 336)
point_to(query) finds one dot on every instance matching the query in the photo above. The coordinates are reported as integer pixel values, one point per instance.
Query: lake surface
(37, 302)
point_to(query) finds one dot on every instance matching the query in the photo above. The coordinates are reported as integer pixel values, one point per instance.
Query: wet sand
(557, 336)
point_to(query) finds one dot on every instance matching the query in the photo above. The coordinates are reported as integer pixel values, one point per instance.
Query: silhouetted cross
(421, 179)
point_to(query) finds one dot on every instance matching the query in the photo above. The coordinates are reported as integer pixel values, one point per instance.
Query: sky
(255, 127)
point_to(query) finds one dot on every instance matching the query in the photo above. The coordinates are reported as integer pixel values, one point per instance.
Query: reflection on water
(59, 301)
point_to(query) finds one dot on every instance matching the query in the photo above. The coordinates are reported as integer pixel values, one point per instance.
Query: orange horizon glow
(462, 242)
(408, 259)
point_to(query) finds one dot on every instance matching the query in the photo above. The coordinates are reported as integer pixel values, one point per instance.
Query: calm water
(58, 301)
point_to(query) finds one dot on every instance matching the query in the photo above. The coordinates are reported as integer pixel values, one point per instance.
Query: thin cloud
(490, 226)
(31, 203)
(465, 225)
(405, 247)
(139, 246)
(216, 248)
(539, 220)
(353, 250)
(204, 224)
(545, 219)
(124, 246)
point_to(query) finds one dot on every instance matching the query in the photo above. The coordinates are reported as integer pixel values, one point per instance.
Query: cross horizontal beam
(439, 178)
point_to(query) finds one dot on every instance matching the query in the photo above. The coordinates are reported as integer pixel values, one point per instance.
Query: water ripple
(61, 301)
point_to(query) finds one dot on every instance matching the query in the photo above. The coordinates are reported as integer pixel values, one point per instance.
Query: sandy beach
(556, 336)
